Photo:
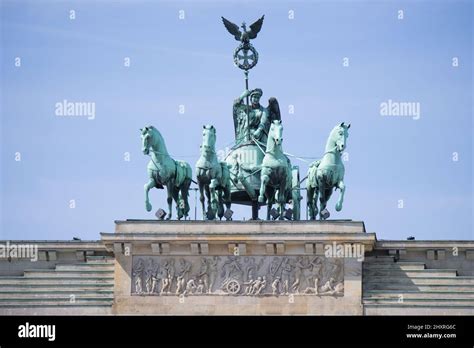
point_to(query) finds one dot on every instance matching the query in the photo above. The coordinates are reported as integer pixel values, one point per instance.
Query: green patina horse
(165, 171)
(275, 177)
(327, 173)
(213, 177)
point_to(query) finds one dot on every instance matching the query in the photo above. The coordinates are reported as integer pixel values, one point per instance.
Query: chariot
(231, 286)
(256, 171)
(245, 163)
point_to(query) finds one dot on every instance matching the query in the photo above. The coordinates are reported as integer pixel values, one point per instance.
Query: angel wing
(233, 28)
(254, 28)
(273, 109)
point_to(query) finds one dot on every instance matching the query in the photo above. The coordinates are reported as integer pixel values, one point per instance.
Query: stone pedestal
(238, 268)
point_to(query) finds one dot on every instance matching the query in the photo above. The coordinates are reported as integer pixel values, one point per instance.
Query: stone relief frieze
(237, 275)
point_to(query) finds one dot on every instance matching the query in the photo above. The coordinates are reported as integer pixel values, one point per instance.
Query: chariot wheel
(233, 287)
(295, 192)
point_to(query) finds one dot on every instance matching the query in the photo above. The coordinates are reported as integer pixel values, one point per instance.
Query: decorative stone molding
(43, 256)
(430, 254)
(52, 255)
(275, 248)
(237, 249)
(441, 254)
(200, 248)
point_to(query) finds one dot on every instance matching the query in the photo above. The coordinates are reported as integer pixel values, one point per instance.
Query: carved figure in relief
(339, 288)
(232, 268)
(252, 268)
(276, 286)
(314, 272)
(332, 269)
(274, 268)
(190, 287)
(299, 273)
(249, 286)
(312, 290)
(255, 286)
(286, 275)
(137, 276)
(328, 287)
(212, 272)
(167, 280)
(150, 268)
(200, 287)
(260, 287)
(183, 270)
(203, 274)
(180, 284)
(156, 278)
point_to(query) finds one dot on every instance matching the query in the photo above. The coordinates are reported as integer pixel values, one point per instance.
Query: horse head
(147, 139)
(276, 132)
(339, 136)
(151, 138)
(208, 137)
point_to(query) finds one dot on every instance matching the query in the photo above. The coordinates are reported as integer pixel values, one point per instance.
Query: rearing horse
(327, 173)
(276, 171)
(165, 171)
(213, 177)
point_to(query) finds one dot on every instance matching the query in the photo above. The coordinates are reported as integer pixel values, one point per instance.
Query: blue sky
(188, 62)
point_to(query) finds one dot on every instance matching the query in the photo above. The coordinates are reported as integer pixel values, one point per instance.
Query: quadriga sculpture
(165, 171)
(328, 173)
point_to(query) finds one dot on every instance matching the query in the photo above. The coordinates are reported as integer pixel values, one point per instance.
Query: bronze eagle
(245, 35)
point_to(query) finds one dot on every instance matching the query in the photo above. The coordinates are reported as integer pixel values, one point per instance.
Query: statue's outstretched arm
(242, 97)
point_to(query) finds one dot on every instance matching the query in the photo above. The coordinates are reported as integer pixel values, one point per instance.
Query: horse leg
(322, 203)
(214, 196)
(323, 200)
(270, 194)
(282, 198)
(169, 189)
(227, 199)
(202, 199)
(209, 214)
(264, 179)
(220, 204)
(224, 199)
(179, 203)
(340, 185)
(315, 202)
(149, 185)
(184, 197)
(310, 202)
